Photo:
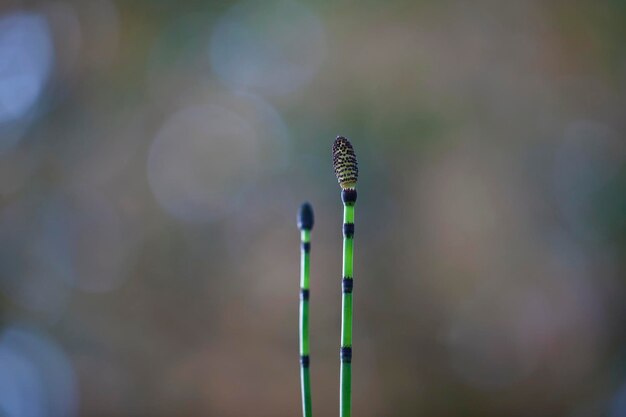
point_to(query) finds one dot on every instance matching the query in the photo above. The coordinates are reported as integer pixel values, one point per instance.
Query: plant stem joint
(348, 230)
(347, 284)
(346, 354)
(305, 361)
(348, 196)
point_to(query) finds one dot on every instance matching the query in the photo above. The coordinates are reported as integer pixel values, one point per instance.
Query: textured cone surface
(344, 162)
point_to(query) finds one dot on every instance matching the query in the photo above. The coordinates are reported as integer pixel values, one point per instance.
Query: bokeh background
(153, 154)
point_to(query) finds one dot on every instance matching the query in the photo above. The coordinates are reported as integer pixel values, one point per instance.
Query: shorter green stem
(305, 376)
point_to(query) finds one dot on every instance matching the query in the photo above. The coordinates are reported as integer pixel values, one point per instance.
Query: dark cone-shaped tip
(344, 163)
(305, 217)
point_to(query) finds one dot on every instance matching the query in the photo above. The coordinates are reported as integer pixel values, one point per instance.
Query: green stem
(346, 316)
(305, 377)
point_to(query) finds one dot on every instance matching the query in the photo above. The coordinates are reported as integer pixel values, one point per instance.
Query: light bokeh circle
(199, 160)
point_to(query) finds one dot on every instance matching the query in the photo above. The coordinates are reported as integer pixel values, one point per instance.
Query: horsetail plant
(347, 172)
(305, 224)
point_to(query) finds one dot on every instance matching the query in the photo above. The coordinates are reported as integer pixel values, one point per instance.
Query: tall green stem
(346, 316)
(347, 171)
(305, 223)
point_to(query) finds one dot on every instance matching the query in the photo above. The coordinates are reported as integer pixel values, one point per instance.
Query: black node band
(304, 294)
(346, 285)
(305, 246)
(346, 354)
(348, 229)
(305, 361)
(348, 196)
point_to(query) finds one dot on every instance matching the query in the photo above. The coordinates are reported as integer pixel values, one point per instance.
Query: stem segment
(305, 222)
(346, 302)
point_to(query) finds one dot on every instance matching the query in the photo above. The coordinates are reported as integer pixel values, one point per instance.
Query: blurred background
(153, 155)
